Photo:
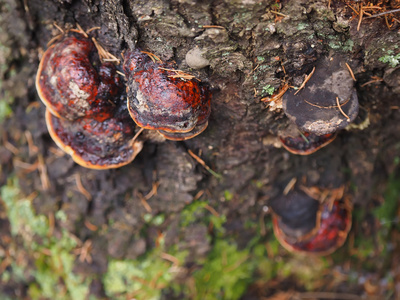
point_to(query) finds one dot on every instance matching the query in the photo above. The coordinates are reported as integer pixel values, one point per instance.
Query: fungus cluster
(83, 112)
(303, 224)
(327, 103)
(87, 111)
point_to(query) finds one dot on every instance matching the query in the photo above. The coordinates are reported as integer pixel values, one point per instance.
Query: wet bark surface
(251, 49)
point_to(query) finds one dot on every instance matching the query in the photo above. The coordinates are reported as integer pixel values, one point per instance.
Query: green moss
(197, 213)
(302, 26)
(228, 195)
(53, 258)
(392, 60)
(144, 278)
(5, 110)
(338, 45)
(267, 90)
(226, 273)
(386, 213)
(260, 58)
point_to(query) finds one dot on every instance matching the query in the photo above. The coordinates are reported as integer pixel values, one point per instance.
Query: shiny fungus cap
(95, 144)
(158, 99)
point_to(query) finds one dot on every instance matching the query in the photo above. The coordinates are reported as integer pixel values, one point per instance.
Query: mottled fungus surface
(96, 144)
(327, 103)
(161, 99)
(73, 83)
(303, 225)
(86, 112)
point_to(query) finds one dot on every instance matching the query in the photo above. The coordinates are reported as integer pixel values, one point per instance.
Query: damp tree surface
(190, 219)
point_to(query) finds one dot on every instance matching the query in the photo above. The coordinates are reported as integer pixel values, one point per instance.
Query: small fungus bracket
(297, 214)
(327, 103)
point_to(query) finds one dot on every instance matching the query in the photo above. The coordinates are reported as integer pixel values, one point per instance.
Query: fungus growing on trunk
(327, 103)
(306, 143)
(163, 99)
(86, 115)
(96, 144)
(304, 225)
(73, 83)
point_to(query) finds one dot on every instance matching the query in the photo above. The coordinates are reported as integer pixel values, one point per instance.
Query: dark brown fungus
(303, 143)
(306, 143)
(314, 108)
(304, 225)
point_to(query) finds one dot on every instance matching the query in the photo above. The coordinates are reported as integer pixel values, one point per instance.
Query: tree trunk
(253, 48)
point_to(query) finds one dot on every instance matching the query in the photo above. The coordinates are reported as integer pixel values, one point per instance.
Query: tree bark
(252, 48)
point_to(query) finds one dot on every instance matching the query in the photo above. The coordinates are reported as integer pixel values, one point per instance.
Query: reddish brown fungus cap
(306, 143)
(159, 100)
(302, 225)
(314, 108)
(72, 82)
(95, 144)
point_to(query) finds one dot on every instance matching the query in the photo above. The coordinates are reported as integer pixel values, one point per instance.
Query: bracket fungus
(304, 225)
(162, 99)
(86, 115)
(73, 83)
(96, 144)
(327, 103)
(297, 142)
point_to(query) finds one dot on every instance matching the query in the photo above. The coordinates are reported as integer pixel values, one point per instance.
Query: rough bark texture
(251, 51)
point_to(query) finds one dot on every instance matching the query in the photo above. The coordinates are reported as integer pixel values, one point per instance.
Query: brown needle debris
(153, 191)
(364, 9)
(201, 162)
(308, 77)
(212, 210)
(93, 28)
(144, 202)
(120, 73)
(105, 55)
(153, 57)
(213, 26)
(351, 72)
(32, 148)
(274, 98)
(179, 74)
(52, 223)
(279, 13)
(58, 36)
(290, 186)
(144, 199)
(90, 226)
(80, 30)
(44, 178)
(81, 188)
(361, 13)
(84, 252)
(170, 258)
(341, 110)
(137, 134)
(327, 107)
(10, 147)
(58, 27)
(25, 167)
(374, 80)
